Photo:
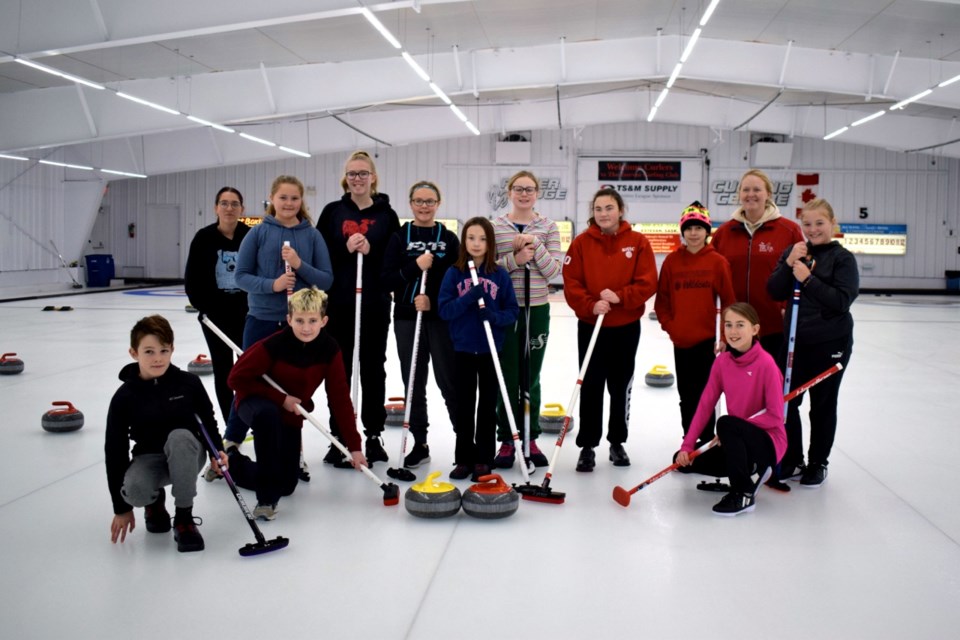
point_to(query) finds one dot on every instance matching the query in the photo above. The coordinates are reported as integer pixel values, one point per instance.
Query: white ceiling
(314, 75)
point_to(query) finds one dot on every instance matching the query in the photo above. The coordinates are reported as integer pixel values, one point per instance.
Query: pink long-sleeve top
(750, 383)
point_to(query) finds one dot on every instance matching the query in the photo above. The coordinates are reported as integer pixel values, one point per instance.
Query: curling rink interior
(874, 553)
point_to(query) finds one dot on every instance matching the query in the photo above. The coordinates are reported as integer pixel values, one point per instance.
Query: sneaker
(765, 474)
(375, 450)
(587, 460)
(734, 503)
(791, 471)
(187, 535)
(210, 474)
(813, 476)
(334, 455)
(460, 472)
(265, 511)
(419, 454)
(505, 456)
(155, 515)
(536, 456)
(618, 456)
(304, 469)
(479, 470)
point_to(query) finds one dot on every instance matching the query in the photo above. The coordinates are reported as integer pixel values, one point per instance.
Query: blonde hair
(767, 182)
(304, 213)
(523, 174)
(365, 157)
(310, 300)
(821, 203)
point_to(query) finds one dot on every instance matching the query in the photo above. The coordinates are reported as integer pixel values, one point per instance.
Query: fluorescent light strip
(440, 94)
(661, 98)
(122, 173)
(653, 113)
(255, 139)
(59, 74)
(873, 116)
(472, 128)
(64, 164)
(835, 133)
(2, 155)
(416, 67)
(673, 76)
(294, 152)
(79, 166)
(903, 103)
(147, 103)
(459, 114)
(690, 44)
(708, 12)
(946, 83)
(206, 123)
(52, 163)
(372, 19)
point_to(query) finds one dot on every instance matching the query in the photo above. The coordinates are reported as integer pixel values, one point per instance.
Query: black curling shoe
(156, 516)
(618, 456)
(587, 460)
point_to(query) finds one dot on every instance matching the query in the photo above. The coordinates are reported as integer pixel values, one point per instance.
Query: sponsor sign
(641, 180)
(874, 239)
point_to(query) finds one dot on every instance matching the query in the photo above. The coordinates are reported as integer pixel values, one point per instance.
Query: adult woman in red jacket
(609, 270)
(752, 241)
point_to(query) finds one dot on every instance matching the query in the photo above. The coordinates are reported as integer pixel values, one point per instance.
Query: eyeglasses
(229, 204)
(363, 175)
(521, 190)
(424, 203)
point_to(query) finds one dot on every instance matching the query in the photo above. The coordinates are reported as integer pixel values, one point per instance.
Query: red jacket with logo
(622, 262)
(687, 293)
(752, 260)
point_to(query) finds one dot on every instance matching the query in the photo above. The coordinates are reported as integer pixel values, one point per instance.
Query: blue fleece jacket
(458, 305)
(259, 263)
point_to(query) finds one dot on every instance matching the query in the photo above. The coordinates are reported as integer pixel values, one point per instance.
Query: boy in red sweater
(298, 358)
(691, 279)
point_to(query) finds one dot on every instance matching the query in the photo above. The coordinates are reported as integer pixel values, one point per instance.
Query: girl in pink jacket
(752, 437)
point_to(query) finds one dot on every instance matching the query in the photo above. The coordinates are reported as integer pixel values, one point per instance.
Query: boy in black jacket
(156, 408)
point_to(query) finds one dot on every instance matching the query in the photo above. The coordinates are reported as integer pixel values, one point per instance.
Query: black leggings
(276, 471)
(744, 446)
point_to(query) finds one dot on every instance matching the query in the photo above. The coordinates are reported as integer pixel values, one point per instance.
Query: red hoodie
(686, 302)
(752, 260)
(622, 262)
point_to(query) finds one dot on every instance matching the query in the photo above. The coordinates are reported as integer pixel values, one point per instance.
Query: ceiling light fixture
(294, 152)
(661, 98)
(440, 94)
(207, 123)
(473, 129)
(416, 67)
(919, 96)
(946, 83)
(690, 44)
(3, 155)
(256, 139)
(459, 114)
(59, 74)
(147, 103)
(372, 19)
(673, 76)
(835, 133)
(873, 116)
(122, 173)
(709, 12)
(653, 113)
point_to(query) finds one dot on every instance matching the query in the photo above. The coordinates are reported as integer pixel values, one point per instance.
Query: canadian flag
(807, 186)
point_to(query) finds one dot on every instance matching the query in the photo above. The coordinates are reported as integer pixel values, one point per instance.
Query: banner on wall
(551, 188)
(726, 192)
(808, 184)
(641, 180)
(874, 239)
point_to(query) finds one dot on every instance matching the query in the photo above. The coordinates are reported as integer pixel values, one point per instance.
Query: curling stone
(9, 365)
(191, 309)
(652, 315)
(395, 409)
(62, 420)
(490, 499)
(432, 499)
(201, 365)
(659, 376)
(551, 418)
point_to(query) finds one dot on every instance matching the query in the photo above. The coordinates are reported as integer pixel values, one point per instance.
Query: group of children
(471, 314)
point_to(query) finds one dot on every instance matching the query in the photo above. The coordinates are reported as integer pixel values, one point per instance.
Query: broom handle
(413, 369)
(496, 366)
(355, 360)
(573, 397)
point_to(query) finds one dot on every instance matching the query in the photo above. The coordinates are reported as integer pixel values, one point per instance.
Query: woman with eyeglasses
(361, 220)
(211, 284)
(421, 248)
(525, 239)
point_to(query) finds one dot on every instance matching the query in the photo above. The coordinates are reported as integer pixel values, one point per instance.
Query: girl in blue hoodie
(262, 273)
(458, 304)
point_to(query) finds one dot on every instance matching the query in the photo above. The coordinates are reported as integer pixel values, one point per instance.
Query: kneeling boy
(298, 359)
(156, 408)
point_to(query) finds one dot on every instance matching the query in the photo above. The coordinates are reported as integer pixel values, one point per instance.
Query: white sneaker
(265, 512)
(210, 474)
